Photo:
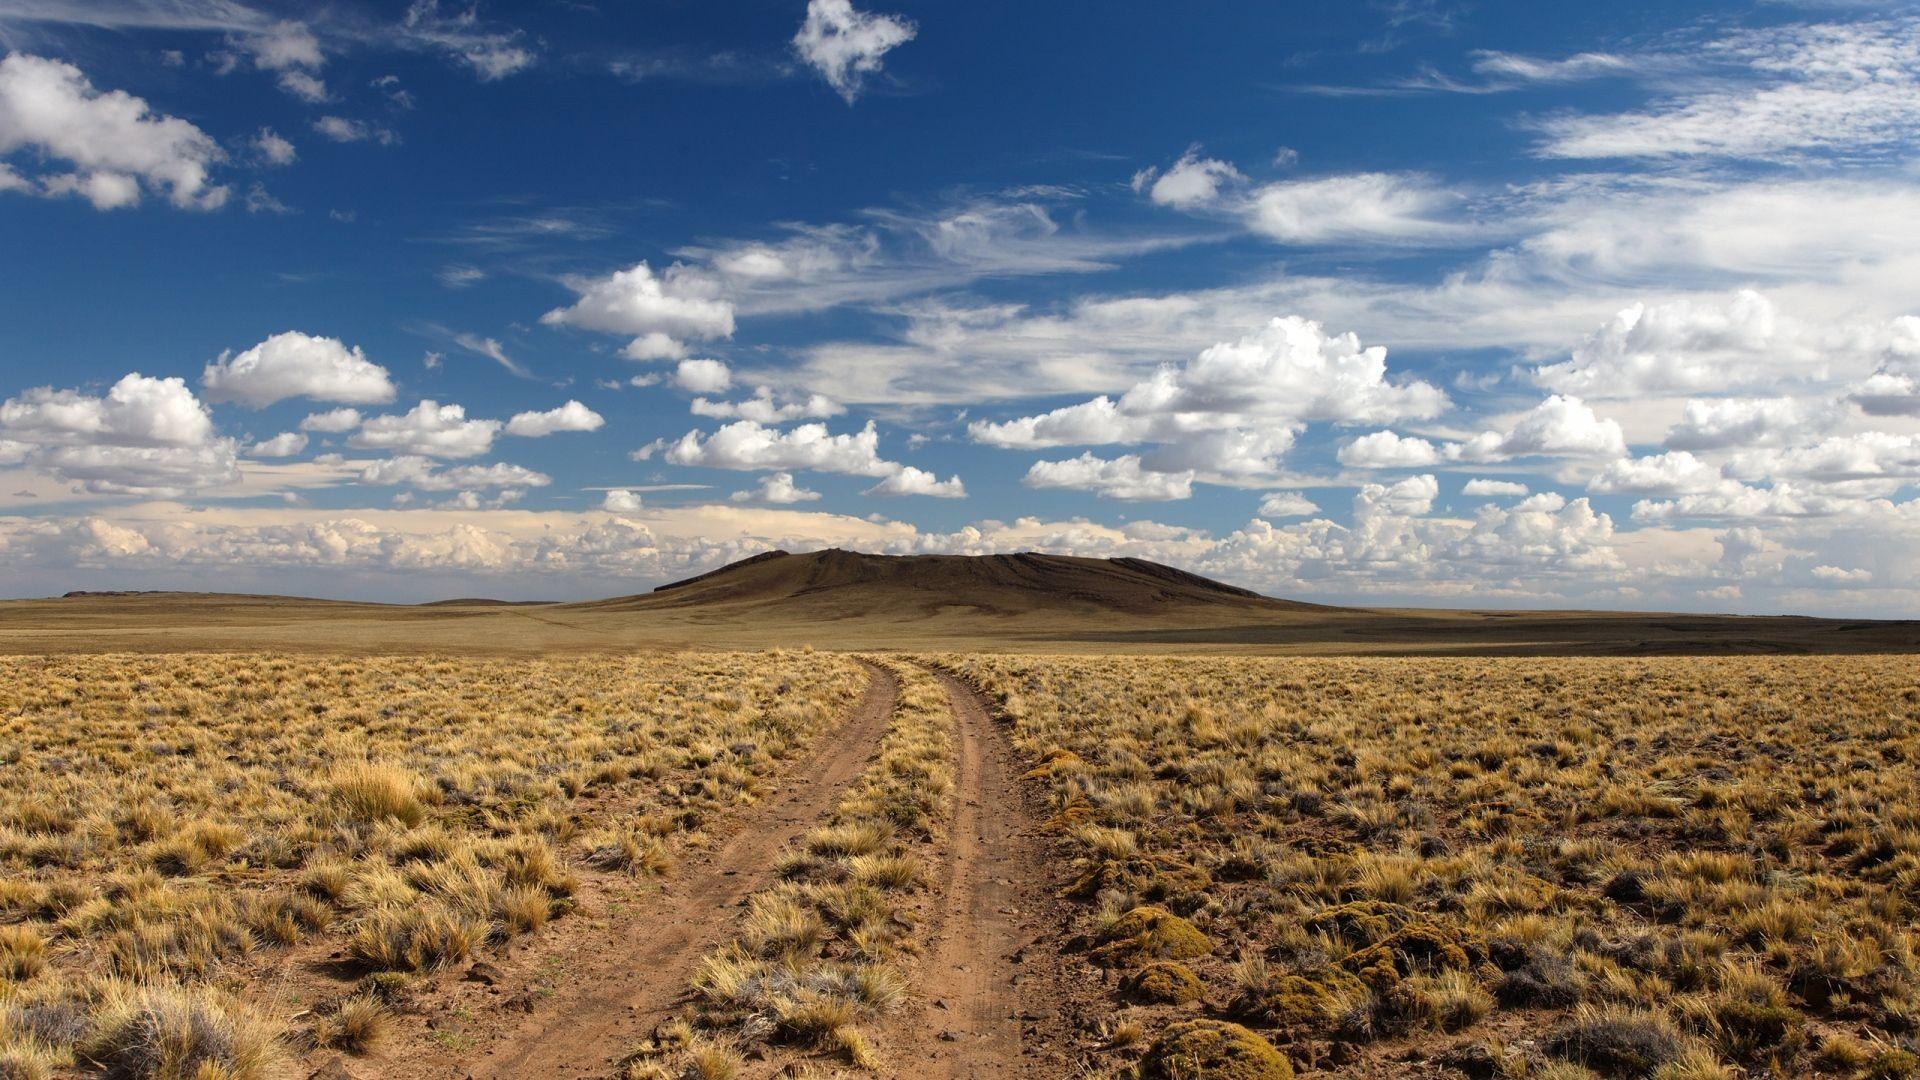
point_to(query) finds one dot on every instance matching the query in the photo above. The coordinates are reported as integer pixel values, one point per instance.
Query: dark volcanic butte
(849, 582)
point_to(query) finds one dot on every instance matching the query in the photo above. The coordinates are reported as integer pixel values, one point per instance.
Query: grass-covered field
(1681, 868)
(175, 830)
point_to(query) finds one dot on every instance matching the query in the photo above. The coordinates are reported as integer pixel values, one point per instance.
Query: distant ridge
(839, 583)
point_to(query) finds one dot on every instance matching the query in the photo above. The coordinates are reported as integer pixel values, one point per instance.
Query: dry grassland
(175, 831)
(1674, 868)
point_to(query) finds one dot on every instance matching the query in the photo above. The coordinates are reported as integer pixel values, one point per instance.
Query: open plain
(1017, 816)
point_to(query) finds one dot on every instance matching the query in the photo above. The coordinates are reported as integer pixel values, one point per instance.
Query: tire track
(992, 904)
(620, 976)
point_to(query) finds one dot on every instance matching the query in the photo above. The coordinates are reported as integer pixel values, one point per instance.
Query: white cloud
(573, 416)
(112, 142)
(1233, 409)
(763, 408)
(658, 311)
(1483, 488)
(1560, 426)
(272, 149)
(430, 428)
(285, 444)
(419, 472)
(1115, 478)
(1285, 504)
(1894, 387)
(1745, 423)
(908, 480)
(1354, 209)
(1516, 68)
(752, 447)
(1790, 92)
(1719, 346)
(289, 49)
(293, 364)
(1410, 497)
(491, 53)
(777, 488)
(1191, 183)
(1676, 472)
(1872, 457)
(136, 411)
(1888, 393)
(343, 130)
(146, 436)
(332, 422)
(846, 46)
(1842, 575)
(620, 501)
(703, 376)
(1386, 450)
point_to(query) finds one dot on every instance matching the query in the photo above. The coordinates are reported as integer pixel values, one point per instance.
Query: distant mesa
(851, 583)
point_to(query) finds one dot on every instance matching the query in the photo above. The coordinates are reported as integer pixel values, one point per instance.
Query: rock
(333, 1069)
(483, 972)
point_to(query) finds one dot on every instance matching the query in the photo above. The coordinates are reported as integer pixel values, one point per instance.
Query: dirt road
(603, 983)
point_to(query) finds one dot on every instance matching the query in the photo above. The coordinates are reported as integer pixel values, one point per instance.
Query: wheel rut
(613, 977)
(978, 990)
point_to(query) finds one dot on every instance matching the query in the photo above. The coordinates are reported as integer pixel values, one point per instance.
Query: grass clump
(1150, 933)
(1164, 983)
(1213, 1050)
(157, 1033)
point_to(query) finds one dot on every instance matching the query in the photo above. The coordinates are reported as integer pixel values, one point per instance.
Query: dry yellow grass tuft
(174, 828)
(1653, 867)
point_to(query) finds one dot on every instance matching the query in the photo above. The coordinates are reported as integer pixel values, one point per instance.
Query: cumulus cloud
(763, 408)
(749, 446)
(1115, 478)
(1560, 426)
(1745, 423)
(908, 480)
(331, 422)
(110, 144)
(777, 488)
(703, 376)
(429, 429)
(285, 444)
(1350, 208)
(418, 472)
(660, 312)
(1675, 472)
(1482, 488)
(845, 45)
(620, 501)
(1386, 450)
(1191, 183)
(1286, 504)
(145, 436)
(1233, 409)
(1410, 497)
(573, 416)
(293, 364)
(1687, 346)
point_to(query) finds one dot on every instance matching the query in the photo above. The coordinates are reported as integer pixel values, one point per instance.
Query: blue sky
(1471, 304)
